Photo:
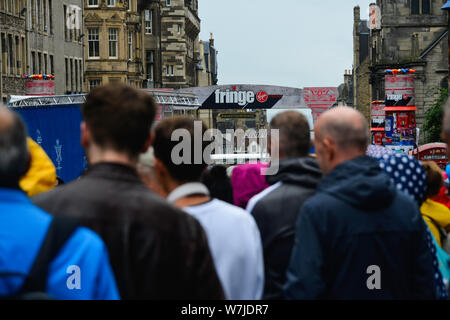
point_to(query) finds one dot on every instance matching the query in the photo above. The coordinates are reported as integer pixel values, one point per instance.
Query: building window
(130, 45)
(169, 70)
(65, 22)
(94, 83)
(39, 63)
(179, 28)
(149, 65)
(80, 65)
(113, 42)
(94, 43)
(92, 3)
(32, 15)
(33, 62)
(76, 75)
(148, 21)
(45, 64)
(11, 53)
(4, 54)
(24, 56)
(420, 7)
(18, 55)
(45, 16)
(52, 70)
(38, 16)
(111, 3)
(168, 3)
(72, 82)
(50, 15)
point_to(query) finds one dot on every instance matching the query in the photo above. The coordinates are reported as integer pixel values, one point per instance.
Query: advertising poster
(320, 99)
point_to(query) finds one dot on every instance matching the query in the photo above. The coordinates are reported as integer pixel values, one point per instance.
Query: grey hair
(14, 154)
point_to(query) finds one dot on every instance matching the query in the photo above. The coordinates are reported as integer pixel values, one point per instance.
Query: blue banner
(57, 130)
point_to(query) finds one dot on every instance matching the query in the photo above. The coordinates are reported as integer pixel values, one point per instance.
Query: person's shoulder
(57, 192)
(84, 239)
(263, 197)
(233, 213)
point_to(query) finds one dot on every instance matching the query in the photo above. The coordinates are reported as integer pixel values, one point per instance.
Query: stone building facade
(207, 67)
(171, 46)
(13, 48)
(113, 43)
(361, 64)
(55, 42)
(413, 34)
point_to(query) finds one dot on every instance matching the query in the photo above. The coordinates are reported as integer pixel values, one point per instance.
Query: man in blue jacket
(357, 238)
(80, 269)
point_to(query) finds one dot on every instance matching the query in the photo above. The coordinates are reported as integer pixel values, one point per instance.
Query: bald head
(345, 126)
(14, 156)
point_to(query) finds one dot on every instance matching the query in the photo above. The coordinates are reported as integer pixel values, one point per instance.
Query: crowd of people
(348, 222)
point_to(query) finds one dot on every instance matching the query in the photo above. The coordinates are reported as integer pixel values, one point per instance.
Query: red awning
(400, 109)
(377, 129)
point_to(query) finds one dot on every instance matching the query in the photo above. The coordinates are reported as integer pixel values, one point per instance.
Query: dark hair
(14, 154)
(435, 179)
(218, 183)
(294, 134)
(163, 145)
(119, 117)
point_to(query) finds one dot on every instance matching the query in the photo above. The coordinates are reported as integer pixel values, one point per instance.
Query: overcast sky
(294, 43)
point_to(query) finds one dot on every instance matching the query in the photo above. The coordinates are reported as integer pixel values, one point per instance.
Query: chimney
(357, 14)
(211, 39)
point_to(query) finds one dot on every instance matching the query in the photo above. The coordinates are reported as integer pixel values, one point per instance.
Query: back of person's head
(191, 163)
(341, 134)
(294, 134)
(14, 155)
(119, 117)
(218, 183)
(435, 179)
(347, 127)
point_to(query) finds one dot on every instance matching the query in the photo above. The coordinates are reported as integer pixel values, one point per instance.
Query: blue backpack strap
(59, 231)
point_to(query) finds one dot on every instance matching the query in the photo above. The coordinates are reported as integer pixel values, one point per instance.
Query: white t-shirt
(235, 245)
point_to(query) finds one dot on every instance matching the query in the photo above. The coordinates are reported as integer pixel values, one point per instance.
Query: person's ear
(148, 142)
(85, 138)
(329, 148)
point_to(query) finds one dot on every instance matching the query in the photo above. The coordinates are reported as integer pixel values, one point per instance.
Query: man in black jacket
(357, 237)
(156, 250)
(276, 208)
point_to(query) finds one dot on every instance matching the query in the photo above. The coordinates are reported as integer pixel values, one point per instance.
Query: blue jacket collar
(13, 195)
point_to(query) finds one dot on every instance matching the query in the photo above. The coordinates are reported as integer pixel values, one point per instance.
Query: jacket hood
(247, 181)
(299, 171)
(361, 183)
(41, 176)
